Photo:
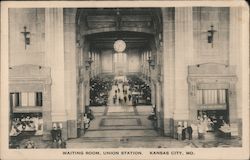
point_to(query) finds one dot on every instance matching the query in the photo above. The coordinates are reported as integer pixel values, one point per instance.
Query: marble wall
(107, 61)
(34, 20)
(133, 61)
(203, 18)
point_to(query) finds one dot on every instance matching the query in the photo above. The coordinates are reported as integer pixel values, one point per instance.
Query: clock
(119, 46)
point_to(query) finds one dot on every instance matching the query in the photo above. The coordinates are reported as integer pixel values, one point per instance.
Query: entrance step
(120, 133)
(122, 128)
(122, 139)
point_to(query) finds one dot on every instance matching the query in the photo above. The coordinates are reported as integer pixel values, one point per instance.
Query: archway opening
(121, 47)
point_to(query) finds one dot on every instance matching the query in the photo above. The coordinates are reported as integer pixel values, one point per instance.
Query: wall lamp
(210, 35)
(26, 36)
(88, 63)
(151, 62)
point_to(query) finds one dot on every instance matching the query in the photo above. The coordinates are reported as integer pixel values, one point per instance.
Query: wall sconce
(210, 35)
(26, 36)
(88, 63)
(151, 62)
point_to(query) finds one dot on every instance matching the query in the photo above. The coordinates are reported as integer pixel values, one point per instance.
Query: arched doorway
(140, 29)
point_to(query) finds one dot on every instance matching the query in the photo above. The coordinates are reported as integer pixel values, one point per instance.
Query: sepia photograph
(124, 80)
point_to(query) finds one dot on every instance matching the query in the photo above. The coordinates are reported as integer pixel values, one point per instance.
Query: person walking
(120, 100)
(125, 99)
(129, 97)
(190, 132)
(183, 133)
(114, 99)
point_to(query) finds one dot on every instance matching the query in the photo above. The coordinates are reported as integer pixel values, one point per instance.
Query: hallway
(117, 123)
(120, 119)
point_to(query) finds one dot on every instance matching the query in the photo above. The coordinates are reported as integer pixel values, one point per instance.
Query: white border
(200, 153)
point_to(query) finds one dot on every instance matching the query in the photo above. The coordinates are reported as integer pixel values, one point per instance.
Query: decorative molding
(27, 74)
(209, 79)
(211, 69)
(29, 71)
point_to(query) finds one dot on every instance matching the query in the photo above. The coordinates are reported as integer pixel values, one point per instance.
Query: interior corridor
(120, 119)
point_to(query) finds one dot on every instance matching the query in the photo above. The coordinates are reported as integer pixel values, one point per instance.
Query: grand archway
(141, 31)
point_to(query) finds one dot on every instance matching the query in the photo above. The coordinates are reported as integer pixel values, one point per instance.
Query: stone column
(153, 92)
(47, 119)
(159, 109)
(168, 69)
(86, 74)
(54, 58)
(70, 71)
(81, 93)
(87, 90)
(183, 52)
(192, 99)
(235, 57)
(87, 86)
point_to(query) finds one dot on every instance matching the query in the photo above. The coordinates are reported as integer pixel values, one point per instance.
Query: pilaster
(183, 52)
(168, 68)
(54, 58)
(235, 51)
(70, 71)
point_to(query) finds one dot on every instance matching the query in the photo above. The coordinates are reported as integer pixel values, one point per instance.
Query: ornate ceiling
(103, 26)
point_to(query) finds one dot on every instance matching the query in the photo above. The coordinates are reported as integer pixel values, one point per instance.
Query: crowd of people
(140, 90)
(99, 88)
(32, 122)
(122, 92)
(131, 89)
(204, 124)
(24, 126)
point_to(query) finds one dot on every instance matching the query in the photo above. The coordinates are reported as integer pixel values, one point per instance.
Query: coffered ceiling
(132, 39)
(136, 26)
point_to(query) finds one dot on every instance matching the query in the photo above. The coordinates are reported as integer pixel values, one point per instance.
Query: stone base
(47, 126)
(72, 128)
(238, 124)
(160, 123)
(168, 127)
